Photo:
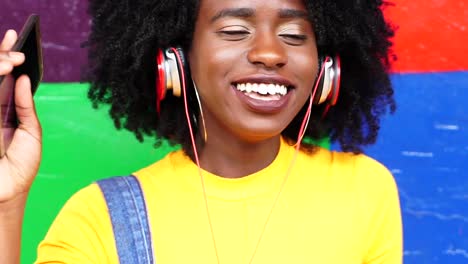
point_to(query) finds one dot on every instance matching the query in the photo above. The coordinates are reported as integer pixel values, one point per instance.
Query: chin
(258, 131)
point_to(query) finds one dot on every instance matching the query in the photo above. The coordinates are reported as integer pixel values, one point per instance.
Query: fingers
(8, 60)
(25, 109)
(8, 40)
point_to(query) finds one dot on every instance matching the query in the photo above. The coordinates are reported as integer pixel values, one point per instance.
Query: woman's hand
(19, 165)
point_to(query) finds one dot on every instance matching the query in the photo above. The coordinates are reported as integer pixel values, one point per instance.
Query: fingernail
(8, 32)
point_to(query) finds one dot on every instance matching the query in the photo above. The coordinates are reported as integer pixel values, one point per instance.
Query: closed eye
(294, 39)
(234, 32)
(294, 36)
(233, 35)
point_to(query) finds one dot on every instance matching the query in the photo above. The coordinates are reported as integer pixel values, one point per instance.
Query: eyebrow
(293, 13)
(249, 12)
(233, 12)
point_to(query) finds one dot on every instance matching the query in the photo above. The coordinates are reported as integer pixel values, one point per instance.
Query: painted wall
(64, 26)
(431, 36)
(425, 144)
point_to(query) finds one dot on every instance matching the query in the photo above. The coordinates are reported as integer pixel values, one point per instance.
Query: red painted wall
(432, 35)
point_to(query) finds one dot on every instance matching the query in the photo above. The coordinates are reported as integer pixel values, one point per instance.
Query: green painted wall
(81, 145)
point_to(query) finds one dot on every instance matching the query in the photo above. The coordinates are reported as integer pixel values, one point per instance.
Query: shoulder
(372, 183)
(371, 174)
(357, 171)
(88, 200)
(165, 173)
(368, 187)
(176, 159)
(361, 165)
(81, 231)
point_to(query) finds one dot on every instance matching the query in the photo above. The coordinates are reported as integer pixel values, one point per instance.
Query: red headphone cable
(197, 160)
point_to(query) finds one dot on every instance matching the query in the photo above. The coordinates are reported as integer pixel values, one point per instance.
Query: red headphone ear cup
(181, 72)
(161, 80)
(318, 93)
(336, 80)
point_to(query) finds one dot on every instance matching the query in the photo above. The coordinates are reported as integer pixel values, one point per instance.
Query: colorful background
(425, 144)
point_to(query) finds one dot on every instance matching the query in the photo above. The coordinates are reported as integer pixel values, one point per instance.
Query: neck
(228, 156)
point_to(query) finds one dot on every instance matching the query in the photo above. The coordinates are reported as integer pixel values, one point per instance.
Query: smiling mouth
(263, 91)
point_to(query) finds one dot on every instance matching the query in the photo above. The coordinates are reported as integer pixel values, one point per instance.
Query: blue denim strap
(127, 210)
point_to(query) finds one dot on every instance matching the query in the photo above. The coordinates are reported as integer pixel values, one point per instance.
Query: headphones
(171, 67)
(173, 71)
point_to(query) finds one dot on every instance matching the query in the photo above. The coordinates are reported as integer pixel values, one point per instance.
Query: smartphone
(29, 43)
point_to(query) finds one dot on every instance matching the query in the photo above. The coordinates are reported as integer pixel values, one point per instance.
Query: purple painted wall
(64, 26)
(427, 40)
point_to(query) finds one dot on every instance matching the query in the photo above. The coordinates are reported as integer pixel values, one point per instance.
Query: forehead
(210, 7)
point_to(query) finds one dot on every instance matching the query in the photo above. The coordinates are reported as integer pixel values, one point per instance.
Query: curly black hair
(125, 36)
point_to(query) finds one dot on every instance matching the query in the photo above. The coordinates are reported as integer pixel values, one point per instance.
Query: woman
(245, 188)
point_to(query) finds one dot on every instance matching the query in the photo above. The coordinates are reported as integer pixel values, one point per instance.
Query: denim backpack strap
(127, 210)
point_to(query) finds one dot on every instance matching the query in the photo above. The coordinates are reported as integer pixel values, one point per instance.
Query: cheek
(213, 67)
(222, 55)
(208, 73)
(306, 70)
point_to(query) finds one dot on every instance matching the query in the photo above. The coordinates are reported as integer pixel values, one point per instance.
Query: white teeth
(262, 88)
(247, 88)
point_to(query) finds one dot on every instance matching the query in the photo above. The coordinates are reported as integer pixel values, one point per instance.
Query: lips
(263, 106)
(257, 100)
(266, 79)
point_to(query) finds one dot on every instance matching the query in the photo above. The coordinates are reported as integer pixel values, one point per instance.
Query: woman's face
(254, 63)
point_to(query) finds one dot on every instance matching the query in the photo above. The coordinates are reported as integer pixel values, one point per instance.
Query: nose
(267, 51)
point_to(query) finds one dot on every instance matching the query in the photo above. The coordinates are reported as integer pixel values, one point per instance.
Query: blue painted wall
(425, 145)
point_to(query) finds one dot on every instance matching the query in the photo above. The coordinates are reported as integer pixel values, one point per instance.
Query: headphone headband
(171, 63)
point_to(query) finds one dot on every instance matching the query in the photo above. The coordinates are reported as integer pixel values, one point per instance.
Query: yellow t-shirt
(335, 208)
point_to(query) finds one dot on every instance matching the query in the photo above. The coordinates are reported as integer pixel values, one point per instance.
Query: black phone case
(29, 43)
